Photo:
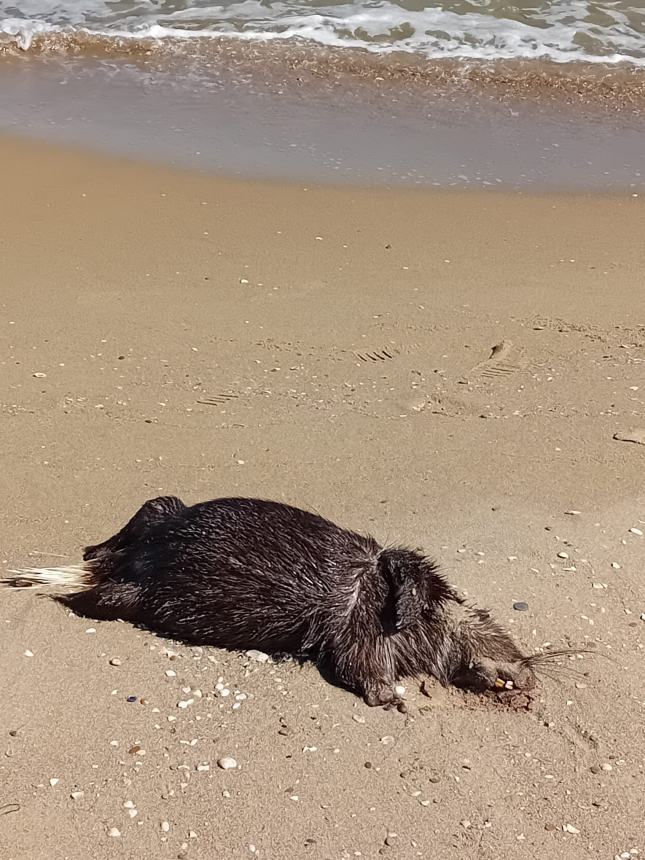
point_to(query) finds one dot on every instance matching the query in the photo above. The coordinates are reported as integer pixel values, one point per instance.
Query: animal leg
(150, 514)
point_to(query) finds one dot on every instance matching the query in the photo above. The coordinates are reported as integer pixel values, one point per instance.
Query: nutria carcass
(245, 573)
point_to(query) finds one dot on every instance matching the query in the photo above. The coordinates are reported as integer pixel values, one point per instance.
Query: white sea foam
(607, 31)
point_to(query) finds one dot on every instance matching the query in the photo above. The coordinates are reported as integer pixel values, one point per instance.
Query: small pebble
(165, 826)
(54, 781)
(573, 513)
(29, 653)
(185, 704)
(636, 531)
(39, 375)
(390, 839)
(131, 699)
(520, 606)
(563, 555)
(615, 565)
(258, 656)
(76, 795)
(227, 763)
(115, 661)
(358, 718)
(569, 828)
(170, 673)
(114, 832)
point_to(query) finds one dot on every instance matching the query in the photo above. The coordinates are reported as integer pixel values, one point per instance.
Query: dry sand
(169, 333)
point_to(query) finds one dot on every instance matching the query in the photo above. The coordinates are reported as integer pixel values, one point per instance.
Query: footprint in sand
(636, 435)
(220, 399)
(502, 361)
(376, 355)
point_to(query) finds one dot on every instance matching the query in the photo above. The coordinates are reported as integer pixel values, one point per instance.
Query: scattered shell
(39, 375)
(115, 661)
(29, 653)
(569, 828)
(76, 795)
(226, 763)
(185, 703)
(636, 531)
(114, 832)
(165, 826)
(391, 838)
(258, 656)
(573, 513)
(170, 673)
(358, 718)
(615, 565)
(563, 555)
(54, 781)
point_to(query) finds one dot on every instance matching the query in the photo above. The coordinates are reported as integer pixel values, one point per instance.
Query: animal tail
(80, 577)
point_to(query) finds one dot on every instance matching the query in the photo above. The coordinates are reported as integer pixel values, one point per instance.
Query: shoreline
(281, 115)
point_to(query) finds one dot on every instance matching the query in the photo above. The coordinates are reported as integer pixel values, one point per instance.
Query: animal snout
(484, 674)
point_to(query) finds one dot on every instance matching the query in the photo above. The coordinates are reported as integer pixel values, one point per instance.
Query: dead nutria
(252, 574)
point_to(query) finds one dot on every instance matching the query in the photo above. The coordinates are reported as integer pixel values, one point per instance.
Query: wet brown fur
(246, 573)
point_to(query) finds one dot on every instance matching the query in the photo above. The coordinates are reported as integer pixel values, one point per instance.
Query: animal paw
(382, 696)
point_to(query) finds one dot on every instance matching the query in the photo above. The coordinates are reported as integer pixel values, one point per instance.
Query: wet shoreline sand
(301, 113)
(169, 332)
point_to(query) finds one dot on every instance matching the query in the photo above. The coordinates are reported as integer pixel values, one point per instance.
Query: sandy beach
(169, 332)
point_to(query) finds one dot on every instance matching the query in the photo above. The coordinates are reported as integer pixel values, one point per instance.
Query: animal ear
(403, 603)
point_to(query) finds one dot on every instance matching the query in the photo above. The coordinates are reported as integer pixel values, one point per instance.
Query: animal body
(251, 574)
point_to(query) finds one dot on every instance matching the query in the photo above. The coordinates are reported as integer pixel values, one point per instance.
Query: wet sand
(166, 332)
(294, 114)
